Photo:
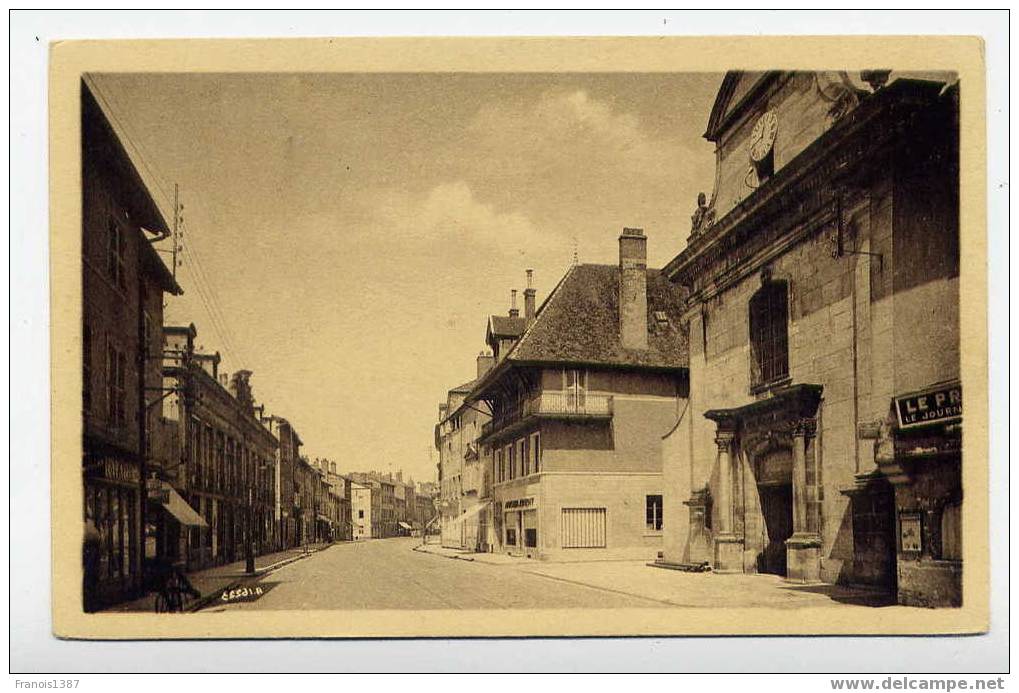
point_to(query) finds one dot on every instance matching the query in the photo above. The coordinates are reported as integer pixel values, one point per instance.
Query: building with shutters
(822, 437)
(124, 283)
(221, 460)
(581, 395)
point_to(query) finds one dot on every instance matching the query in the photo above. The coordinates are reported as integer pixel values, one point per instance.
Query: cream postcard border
(69, 60)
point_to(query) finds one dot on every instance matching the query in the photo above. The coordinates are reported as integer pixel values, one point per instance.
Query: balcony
(552, 405)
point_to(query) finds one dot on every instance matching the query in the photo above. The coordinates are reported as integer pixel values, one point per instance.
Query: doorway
(777, 510)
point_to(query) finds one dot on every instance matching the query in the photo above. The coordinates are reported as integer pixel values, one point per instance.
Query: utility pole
(177, 208)
(249, 545)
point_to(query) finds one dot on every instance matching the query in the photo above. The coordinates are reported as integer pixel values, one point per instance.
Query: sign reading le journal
(933, 406)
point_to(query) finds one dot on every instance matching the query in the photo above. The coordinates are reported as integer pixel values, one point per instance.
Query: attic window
(661, 318)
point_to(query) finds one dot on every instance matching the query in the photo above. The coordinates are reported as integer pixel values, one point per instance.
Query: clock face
(762, 138)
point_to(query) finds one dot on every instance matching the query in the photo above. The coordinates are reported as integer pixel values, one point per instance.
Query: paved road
(388, 574)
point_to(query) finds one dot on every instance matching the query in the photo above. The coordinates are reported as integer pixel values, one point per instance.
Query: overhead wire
(190, 257)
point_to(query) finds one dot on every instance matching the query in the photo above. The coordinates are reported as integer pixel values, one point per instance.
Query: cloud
(450, 219)
(583, 167)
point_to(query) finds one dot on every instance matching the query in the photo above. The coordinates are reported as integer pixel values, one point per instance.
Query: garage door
(583, 528)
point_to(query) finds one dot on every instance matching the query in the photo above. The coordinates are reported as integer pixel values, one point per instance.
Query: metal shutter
(583, 528)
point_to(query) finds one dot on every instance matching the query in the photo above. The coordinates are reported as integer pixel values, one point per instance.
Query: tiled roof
(579, 323)
(506, 326)
(466, 387)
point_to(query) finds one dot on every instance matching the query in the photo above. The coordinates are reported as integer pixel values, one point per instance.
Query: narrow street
(389, 574)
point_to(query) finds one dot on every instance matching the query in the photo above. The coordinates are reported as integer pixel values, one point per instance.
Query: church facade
(821, 441)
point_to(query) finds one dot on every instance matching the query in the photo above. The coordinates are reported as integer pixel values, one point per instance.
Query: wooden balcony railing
(576, 404)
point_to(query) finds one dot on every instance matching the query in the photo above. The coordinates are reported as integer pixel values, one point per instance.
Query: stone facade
(854, 225)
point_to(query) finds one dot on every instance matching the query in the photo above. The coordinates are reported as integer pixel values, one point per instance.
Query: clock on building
(762, 143)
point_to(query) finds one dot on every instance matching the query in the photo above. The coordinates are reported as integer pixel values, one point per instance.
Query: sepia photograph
(487, 351)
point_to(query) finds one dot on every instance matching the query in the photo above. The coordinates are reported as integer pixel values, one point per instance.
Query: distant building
(221, 461)
(123, 287)
(456, 439)
(363, 504)
(288, 499)
(580, 402)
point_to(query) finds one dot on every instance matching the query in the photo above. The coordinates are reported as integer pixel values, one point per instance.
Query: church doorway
(777, 509)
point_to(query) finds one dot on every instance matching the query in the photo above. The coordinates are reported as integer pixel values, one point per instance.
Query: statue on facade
(703, 216)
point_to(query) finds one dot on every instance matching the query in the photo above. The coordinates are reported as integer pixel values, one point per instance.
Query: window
(583, 528)
(116, 370)
(500, 469)
(575, 387)
(525, 462)
(360, 514)
(536, 452)
(769, 326)
(115, 253)
(653, 513)
(511, 461)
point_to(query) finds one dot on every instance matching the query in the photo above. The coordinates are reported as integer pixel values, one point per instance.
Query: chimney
(529, 298)
(240, 388)
(443, 408)
(513, 312)
(485, 363)
(633, 289)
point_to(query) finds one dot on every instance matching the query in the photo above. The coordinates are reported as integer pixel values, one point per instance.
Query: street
(389, 574)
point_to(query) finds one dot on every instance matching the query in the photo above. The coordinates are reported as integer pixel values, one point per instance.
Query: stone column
(728, 547)
(803, 548)
(799, 479)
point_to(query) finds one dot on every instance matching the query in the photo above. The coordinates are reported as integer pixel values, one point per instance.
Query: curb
(207, 599)
(442, 555)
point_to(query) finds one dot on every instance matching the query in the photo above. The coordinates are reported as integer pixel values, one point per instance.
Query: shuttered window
(583, 528)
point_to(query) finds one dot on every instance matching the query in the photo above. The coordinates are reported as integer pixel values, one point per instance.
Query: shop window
(531, 537)
(951, 532)
(769, 333)
(653, 513)
(511, 536)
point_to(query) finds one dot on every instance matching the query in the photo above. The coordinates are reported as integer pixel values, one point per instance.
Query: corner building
(580, 402)
(823, 434)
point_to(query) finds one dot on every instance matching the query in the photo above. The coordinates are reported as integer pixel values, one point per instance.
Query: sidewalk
(211, 581)
(674, 588)
(463, 555)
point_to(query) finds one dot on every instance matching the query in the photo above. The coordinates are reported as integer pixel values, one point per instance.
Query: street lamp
(249, 545)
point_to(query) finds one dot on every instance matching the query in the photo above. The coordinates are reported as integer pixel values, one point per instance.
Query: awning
(179, 508)
(470, 513)
(404, 525)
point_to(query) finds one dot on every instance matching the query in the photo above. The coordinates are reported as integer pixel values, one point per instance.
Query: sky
(347, 235)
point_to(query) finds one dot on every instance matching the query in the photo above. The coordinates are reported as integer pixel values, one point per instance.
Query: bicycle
(171, 595)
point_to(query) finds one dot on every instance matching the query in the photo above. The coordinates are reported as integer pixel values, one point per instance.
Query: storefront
(920, 453)
(111, 560)
(520, 526)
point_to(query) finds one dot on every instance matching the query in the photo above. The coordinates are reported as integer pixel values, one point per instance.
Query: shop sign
(910, 535)
(115, 469)
(930, 407)
(518, 503)
(159, 494)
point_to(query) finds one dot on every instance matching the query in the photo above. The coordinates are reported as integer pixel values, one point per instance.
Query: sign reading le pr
(933, 406)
